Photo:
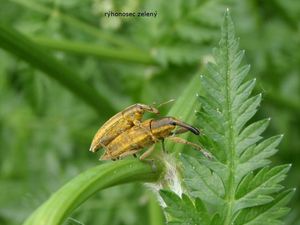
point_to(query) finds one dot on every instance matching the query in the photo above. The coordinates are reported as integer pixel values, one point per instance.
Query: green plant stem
(155, 212)
(231, 160)
(60, 205)
(95, 50)
(19, 45)
(91, 30)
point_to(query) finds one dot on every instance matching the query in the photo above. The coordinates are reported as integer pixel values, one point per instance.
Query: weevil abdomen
(111, 129)
(120, 123)
(135, 138)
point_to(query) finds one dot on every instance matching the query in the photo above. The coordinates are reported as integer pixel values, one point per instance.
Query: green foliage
(238, 186)
(183, 210)
(181, 33)
(19, 45)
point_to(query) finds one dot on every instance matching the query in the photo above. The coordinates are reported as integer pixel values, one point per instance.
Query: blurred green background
(45, 130)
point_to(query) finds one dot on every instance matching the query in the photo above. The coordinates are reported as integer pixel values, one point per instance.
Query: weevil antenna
(163, 103)
(166, 102)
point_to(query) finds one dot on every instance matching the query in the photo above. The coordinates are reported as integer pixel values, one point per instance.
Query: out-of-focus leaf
(20, 46)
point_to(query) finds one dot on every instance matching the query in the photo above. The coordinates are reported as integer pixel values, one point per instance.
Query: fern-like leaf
(238, 186)
(183, 211)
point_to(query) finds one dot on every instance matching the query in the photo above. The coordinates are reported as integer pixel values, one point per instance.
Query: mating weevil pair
(126, 134)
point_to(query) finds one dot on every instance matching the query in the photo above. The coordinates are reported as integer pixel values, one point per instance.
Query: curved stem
(61, 204)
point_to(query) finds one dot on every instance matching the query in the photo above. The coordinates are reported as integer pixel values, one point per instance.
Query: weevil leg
(107, 157)
(103, 146)
(147, 153)
(183, 141)
(128, 153)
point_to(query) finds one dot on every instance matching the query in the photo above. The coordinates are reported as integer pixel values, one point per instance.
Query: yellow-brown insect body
(136, 138)
(119, 123)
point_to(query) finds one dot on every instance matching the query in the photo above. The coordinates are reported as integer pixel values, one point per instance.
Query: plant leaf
(230, 185)
(202, 182)
(183, 211)
(268, 214)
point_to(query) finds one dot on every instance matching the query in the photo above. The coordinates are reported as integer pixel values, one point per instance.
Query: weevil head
(136, 111)
(165, 127)
(141, 108)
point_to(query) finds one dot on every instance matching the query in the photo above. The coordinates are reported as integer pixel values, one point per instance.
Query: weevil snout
(168, 124)
(176, 122)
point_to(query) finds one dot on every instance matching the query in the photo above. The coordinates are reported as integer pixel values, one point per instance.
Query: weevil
(137, 137)
(119, 123)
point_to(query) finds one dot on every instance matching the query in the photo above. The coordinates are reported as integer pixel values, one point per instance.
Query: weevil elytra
(137, 137)
(119, 123)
